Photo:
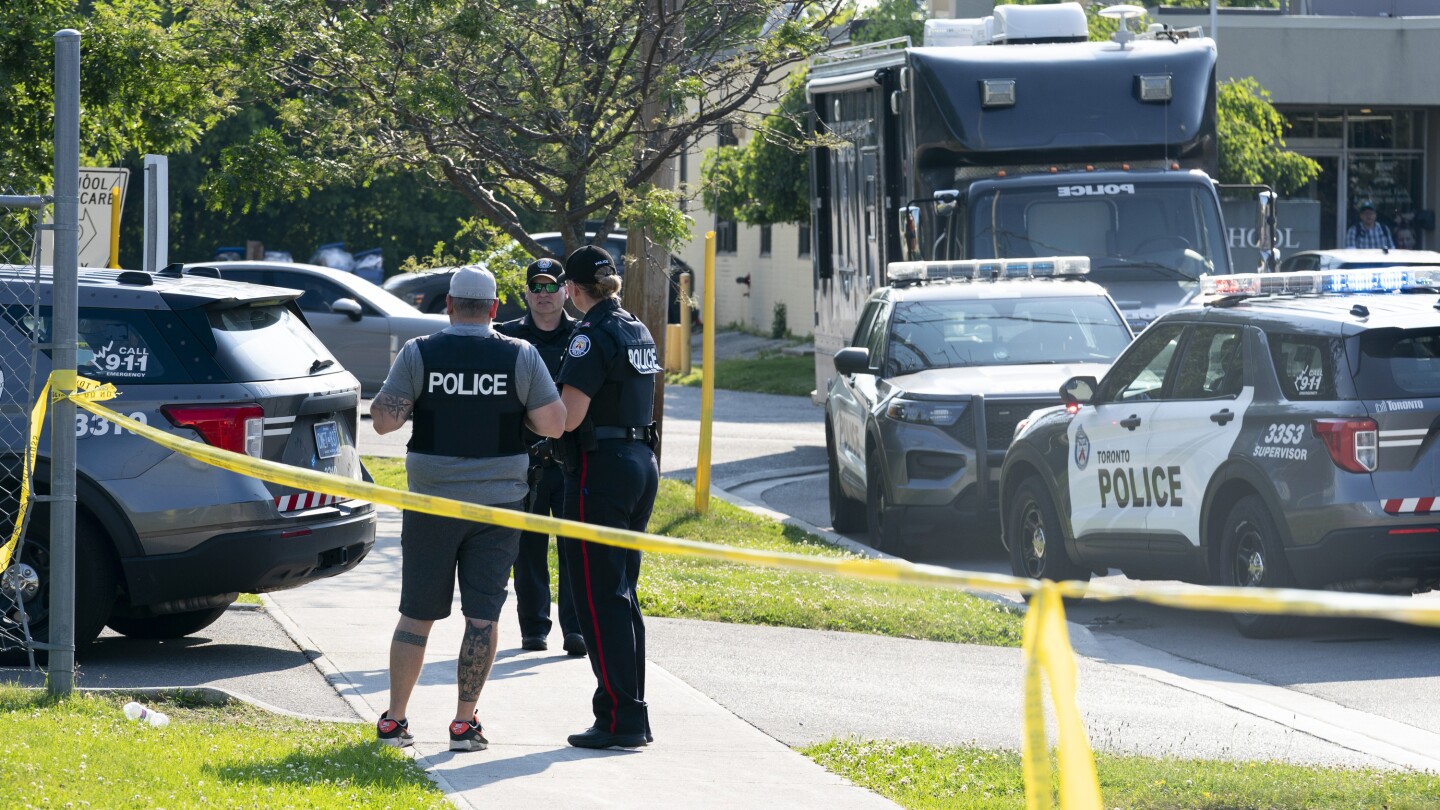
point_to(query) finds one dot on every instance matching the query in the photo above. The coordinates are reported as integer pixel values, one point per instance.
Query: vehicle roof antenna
(1123, 35)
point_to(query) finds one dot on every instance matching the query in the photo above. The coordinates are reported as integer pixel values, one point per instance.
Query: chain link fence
(21, 562)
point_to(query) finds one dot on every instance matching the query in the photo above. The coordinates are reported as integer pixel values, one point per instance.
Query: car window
(1305, 365)
(267, 342)
(319, 293)
(867, 322)
(1141, 372)
(1212, 366)
(875, 337)
(115, 345)
(1004, 331)
(1399, 363)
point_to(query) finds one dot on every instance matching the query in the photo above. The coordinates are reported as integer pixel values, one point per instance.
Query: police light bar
(983, 269)
(1367, 280)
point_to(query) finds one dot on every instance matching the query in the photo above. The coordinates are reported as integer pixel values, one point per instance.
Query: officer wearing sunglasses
(547, 327)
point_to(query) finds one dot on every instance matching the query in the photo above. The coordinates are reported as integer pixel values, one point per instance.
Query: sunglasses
(544, 286)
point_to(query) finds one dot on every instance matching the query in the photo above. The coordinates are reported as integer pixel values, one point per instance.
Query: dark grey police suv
(165, 543)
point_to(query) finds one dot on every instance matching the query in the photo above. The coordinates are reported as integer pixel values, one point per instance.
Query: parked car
(924, 401)
(164, 543)
(1354, 258)
(426, 289)
(363, 324)
(1283, 436)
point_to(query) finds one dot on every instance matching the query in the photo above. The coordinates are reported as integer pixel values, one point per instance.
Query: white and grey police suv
(1286, 434)
(943, 364)
(164, 543)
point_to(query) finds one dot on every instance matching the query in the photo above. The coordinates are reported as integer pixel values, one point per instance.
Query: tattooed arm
(388, 412)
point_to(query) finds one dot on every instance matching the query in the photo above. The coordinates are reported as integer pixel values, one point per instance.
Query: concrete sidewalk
(703, 756)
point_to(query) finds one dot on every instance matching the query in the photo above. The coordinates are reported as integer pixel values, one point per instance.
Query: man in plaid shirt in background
(1367, 233)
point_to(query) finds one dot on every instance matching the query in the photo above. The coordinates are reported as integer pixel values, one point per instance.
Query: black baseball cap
(587, 264)
(547, 268)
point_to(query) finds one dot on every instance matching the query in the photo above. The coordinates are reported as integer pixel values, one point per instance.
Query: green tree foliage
(523, 108)
(1252, 142)
(767, 180)
(890, 19)
(143, 88)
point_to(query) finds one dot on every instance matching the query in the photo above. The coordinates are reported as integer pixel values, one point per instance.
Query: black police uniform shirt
(551, 345)
(611, 358)
(486, 480)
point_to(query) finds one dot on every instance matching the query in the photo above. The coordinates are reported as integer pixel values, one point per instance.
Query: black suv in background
(941, 369)
(165, 543)
(426, 289)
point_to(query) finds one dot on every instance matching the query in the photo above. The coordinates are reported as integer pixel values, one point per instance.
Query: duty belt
(639, 433)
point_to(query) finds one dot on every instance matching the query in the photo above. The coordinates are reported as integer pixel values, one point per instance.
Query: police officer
(546, 326)
(469, 393)
(607, 382)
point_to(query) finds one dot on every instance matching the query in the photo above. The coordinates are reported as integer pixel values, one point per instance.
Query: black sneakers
(595, 738)
(467, 736)
(535, 643)
(575, 644)
(394, 733)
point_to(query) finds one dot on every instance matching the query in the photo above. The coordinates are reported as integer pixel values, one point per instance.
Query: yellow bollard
(707, 381)
(672, 348)
(114, 228)
(685, 323)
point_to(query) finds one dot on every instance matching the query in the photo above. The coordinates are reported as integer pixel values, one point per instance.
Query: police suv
(943, 364)
(1286, 434)
(164, 543)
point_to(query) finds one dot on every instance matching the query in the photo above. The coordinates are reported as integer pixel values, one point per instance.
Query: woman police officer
(607, 382)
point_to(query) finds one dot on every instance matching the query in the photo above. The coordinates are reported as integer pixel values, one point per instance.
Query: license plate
(327, 440)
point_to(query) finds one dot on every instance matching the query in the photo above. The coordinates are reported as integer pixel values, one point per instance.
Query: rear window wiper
(321, 365)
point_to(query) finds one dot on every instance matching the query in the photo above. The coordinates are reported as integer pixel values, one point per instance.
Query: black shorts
(434, 549)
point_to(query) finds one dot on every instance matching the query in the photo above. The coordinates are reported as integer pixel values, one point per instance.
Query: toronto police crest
(579, 346)
(1082, 448)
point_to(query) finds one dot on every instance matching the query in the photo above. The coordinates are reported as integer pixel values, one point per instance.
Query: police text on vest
(468, 384)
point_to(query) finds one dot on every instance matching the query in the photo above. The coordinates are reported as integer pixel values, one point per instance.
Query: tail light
(1353, 443)
(237, 428)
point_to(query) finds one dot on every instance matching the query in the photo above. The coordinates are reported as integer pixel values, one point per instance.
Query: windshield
(1001, 332)
(1131, 231)
(267, 342)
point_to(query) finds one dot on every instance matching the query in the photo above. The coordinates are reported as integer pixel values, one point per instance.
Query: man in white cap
(469, 393)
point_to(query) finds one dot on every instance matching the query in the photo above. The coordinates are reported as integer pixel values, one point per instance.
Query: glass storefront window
(1394, 184)
(1384, 129)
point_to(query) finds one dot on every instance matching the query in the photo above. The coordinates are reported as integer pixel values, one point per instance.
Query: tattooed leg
(407, 657)
(477, 656)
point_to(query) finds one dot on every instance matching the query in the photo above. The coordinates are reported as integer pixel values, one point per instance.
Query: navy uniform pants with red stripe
(613, 486)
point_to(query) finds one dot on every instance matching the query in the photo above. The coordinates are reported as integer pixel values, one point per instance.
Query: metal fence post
(65, 311)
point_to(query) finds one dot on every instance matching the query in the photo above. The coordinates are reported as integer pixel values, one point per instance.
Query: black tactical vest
(626, 399)
(468, 405)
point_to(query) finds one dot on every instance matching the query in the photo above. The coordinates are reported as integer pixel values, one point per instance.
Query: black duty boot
(595, 738)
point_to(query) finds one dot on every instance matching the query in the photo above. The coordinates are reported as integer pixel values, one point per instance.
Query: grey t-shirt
(488, 481)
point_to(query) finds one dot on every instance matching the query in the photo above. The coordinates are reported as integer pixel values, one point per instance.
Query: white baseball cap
(472, 281)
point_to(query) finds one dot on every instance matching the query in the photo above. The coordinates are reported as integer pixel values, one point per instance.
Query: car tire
(881, 521)
(96, 578)
(846, 513)
(1251, 556)
(168, 625)
(1035, 538)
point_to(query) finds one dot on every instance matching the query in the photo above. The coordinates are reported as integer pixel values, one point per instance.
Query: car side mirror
(1079, 390)
(854, 360)
(347, 306)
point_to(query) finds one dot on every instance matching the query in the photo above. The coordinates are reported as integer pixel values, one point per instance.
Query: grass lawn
(967, 778)
(691, 588)
(770, 374)
(83, 752)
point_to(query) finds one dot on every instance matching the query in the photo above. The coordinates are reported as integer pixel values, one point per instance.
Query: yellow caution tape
(1045, 644)
(37, 418)
(1046, 647)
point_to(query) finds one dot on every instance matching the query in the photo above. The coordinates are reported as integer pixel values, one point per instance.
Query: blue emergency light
(1367, 281)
